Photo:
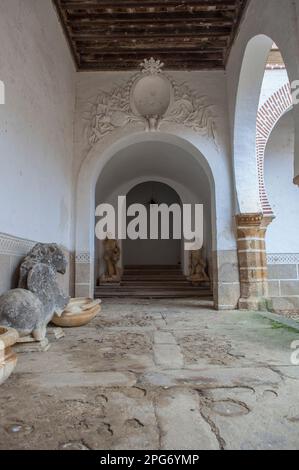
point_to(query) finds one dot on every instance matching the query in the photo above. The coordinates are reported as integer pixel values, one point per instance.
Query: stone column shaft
(251, 231)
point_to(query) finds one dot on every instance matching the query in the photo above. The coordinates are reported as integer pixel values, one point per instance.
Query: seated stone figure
(111, 257)
(197, 268)
(31, 307)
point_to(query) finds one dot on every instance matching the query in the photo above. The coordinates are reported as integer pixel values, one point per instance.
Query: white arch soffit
(247, 103)
(185, 194)
(95, 162)
(276, 106)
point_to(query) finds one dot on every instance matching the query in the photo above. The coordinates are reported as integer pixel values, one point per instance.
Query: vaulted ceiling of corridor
(119, 34)
(148, 159)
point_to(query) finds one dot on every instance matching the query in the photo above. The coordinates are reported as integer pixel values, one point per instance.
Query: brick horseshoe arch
(268, 116)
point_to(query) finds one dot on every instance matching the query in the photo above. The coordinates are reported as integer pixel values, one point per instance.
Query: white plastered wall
(36, 123)
(282, 234)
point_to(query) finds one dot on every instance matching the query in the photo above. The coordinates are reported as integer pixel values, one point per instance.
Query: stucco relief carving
(191, 109)
(150, 97)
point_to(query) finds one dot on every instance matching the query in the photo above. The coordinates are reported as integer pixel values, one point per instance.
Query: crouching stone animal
(31, 307)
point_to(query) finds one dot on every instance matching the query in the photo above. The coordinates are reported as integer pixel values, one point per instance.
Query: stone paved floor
(157, 375)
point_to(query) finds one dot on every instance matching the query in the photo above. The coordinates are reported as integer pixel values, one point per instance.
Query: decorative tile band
(14, 246)
(10, 245)
(283, 258)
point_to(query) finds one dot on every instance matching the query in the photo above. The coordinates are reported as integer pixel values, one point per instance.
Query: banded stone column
(251, 231)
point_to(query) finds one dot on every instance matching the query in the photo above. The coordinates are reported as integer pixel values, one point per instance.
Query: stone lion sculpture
(31, 307)
(111, 257)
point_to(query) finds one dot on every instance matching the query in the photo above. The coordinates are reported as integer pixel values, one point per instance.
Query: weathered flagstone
(168, 375)
(182, 425)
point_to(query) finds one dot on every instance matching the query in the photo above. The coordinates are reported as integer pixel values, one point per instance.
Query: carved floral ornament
(149, 97)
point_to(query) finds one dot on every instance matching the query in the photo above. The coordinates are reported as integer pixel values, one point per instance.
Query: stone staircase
(156, 282)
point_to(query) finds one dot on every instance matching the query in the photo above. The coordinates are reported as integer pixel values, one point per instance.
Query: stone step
(150, 282)
(159, 282)
(152, 267)
(153, 294)
(151, 288)
(153, 282)
(149, 274)
(154, 275)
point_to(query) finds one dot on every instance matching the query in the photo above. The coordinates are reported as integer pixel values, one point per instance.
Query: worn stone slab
(215, 377)
(168, 356)
(99, 386)
(181, 424)
(83, 379)
(164, 337)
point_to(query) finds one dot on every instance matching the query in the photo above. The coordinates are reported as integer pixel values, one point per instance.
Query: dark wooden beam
(102, 5)
(204, 17)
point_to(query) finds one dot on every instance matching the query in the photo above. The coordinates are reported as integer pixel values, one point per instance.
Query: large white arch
(277, 21)
(104, 150)
(246, 120)
(264, 23)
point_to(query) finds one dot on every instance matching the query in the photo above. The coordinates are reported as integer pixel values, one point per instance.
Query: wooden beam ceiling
(119, 34)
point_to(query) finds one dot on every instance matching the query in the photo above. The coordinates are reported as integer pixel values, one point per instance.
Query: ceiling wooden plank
(115, 34)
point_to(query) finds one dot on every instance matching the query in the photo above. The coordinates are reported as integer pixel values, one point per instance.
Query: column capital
(258, 220)
(249, 220)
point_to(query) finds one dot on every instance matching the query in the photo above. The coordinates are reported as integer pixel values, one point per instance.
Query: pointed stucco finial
(151, 66)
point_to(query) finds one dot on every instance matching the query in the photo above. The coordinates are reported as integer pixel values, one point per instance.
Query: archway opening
(275, 101)
(246, 111)
(282, 235)
(263, 97)
(279, 196)
(164, 173)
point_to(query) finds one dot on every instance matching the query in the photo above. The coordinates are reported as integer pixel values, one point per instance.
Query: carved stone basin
(8, 359)
(78, 312)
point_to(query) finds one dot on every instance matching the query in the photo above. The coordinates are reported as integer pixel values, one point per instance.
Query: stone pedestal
(251, 231)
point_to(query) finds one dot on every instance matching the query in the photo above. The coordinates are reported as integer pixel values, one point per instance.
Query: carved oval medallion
(151, 96)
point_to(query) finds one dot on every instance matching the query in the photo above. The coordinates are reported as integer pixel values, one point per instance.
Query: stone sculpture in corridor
(111, 257)
(31, 307)
(197, 268)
